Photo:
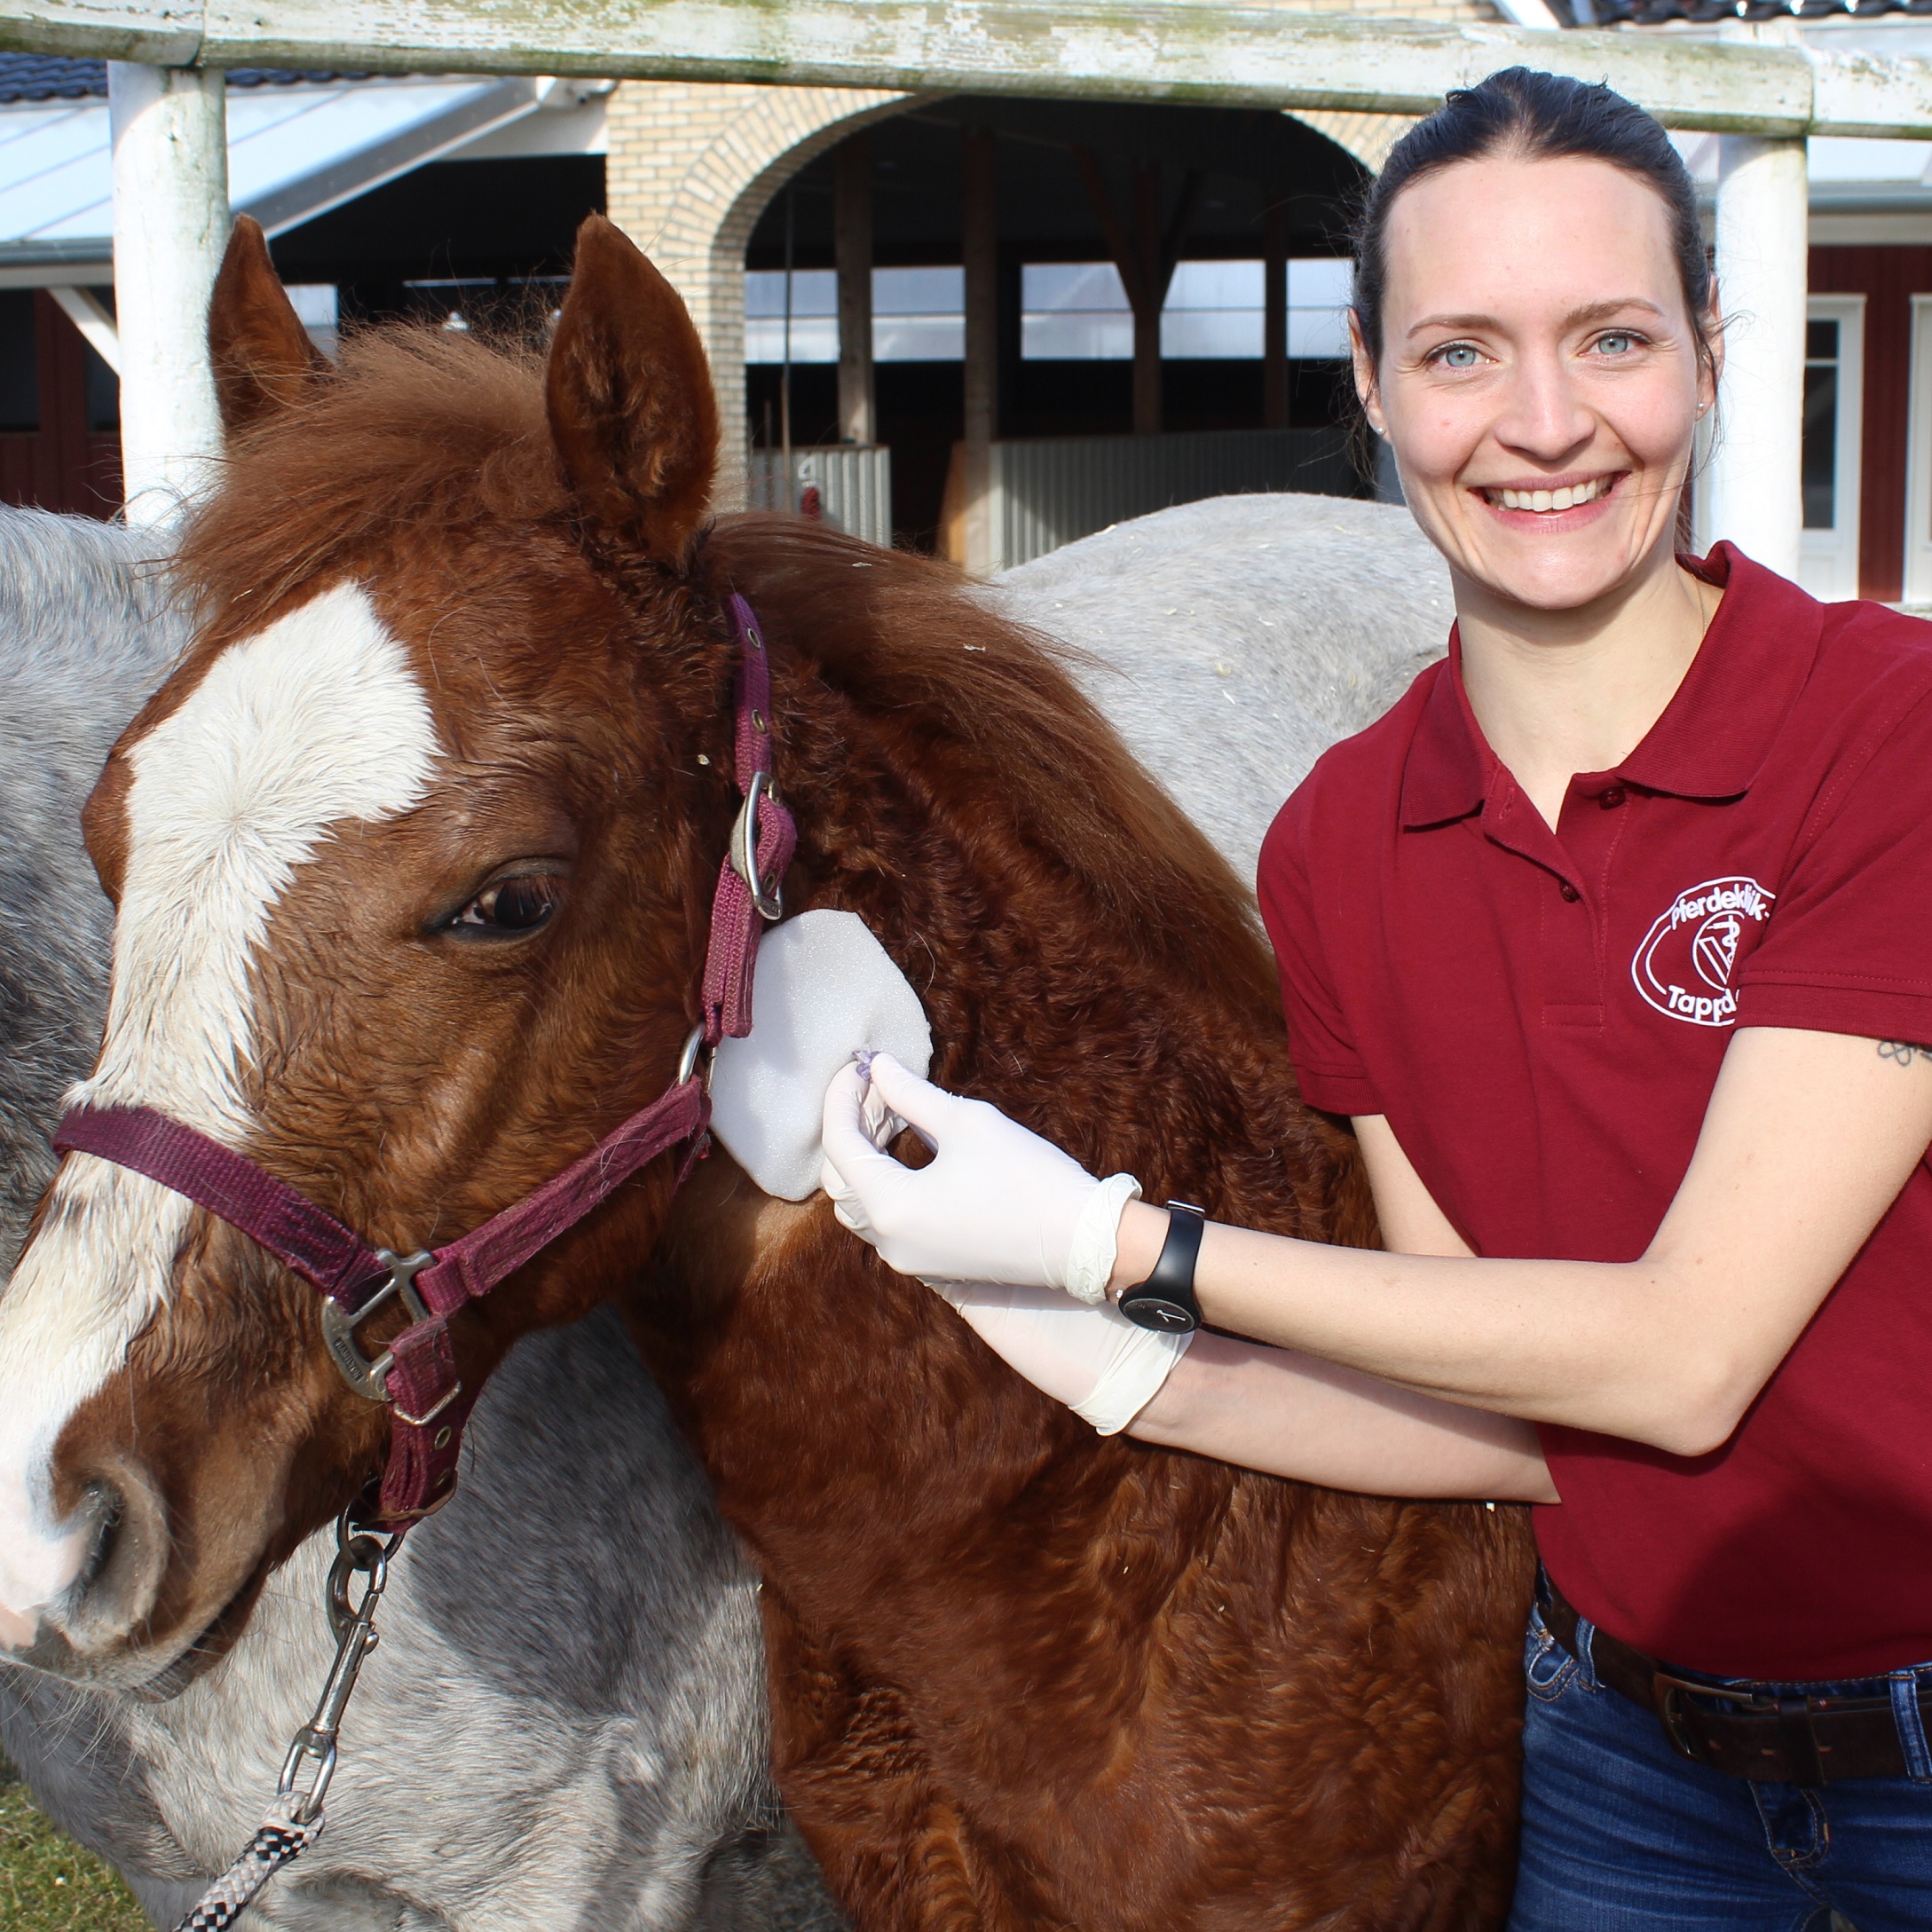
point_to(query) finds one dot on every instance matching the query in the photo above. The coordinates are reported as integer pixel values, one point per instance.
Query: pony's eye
(510, 905)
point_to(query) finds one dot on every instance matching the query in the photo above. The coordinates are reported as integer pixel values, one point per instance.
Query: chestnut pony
(413, 857)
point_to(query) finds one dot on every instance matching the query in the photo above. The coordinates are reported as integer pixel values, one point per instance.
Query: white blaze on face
(315, 721)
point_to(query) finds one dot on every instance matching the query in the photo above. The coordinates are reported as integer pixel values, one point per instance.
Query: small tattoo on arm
(1904, 1051)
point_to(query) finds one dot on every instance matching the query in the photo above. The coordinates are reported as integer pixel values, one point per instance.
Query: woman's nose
(1542, 415)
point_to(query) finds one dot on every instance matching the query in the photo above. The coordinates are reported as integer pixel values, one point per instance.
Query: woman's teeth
(1547, 499)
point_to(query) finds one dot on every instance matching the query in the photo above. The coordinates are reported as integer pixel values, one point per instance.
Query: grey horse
(564, 1725)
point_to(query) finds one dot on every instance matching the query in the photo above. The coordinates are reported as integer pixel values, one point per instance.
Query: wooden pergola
(1757, 86)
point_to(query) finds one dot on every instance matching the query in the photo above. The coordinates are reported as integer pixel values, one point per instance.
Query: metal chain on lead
(293, 1819)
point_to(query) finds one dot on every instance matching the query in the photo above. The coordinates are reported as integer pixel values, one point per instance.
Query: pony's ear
(632, 409)
(263, 357)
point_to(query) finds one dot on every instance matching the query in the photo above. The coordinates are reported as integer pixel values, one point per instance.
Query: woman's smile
(1550, 503)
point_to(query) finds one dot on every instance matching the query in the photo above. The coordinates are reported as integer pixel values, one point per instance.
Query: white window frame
(1917, 585)
(1828, 559)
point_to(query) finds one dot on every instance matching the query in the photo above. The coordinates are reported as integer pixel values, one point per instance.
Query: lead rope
(295, 1819)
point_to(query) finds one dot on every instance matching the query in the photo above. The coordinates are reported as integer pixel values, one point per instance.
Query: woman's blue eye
(1460, 356)
(1616, 345)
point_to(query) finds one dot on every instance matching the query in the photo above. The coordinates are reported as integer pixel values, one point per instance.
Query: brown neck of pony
(1087, 961)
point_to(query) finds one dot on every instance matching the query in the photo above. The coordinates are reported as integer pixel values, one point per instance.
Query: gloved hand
(1095, 1360)
(997, 1204)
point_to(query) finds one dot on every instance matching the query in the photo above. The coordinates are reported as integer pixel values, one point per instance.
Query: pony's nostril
(126, 1559)
(106, 1510)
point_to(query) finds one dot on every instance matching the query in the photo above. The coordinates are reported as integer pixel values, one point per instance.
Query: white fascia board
(578, 131)
(85, 310)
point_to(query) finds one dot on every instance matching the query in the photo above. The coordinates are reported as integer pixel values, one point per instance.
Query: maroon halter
(417, 1377)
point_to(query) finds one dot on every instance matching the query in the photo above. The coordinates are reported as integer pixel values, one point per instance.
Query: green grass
(47, 1882)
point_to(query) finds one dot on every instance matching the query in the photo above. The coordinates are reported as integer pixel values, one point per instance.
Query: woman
(1611, 939)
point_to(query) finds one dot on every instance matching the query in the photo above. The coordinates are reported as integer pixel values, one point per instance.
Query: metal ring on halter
(686, 1060)
(770, 902)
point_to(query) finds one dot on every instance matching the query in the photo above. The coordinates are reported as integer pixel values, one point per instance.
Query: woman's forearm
(1290, 1415)
(1589, 1344)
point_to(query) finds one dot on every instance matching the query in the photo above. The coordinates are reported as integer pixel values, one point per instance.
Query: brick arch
(747, 143)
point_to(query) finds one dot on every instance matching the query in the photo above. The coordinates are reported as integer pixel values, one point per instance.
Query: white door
(1833, 419)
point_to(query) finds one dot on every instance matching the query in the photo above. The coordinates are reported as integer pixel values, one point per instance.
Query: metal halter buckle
(743, 852)
(370, 1379)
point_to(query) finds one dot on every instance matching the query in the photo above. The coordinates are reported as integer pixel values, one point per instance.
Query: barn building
(976, 323)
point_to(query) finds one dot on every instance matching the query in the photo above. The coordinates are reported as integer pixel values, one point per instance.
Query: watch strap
(1165, 1301)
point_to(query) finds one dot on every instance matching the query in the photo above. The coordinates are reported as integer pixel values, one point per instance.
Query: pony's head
(411, 857)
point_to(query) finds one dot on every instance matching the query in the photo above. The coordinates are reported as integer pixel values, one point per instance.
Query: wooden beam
(852, 254)
(1274, 371)
(1185, 50)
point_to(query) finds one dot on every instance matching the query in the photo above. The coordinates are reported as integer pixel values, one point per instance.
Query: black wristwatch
(1165, 1300)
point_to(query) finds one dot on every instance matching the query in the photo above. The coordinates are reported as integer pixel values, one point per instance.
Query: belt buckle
(1664, 1691)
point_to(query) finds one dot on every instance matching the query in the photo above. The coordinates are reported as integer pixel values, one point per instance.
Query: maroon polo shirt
(1541, 1015)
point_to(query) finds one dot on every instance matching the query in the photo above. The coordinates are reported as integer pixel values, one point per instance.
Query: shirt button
(1610, 797)
(1569, 892)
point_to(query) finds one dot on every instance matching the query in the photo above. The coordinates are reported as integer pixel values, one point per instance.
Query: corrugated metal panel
(853, 481)
(1050, 491)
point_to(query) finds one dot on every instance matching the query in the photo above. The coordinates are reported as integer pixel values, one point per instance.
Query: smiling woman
(1609, 938)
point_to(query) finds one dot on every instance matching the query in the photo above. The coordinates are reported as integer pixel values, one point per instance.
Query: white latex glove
(1095, 1360)
(997, 1204)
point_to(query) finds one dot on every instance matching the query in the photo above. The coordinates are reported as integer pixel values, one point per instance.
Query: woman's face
(1540, 381)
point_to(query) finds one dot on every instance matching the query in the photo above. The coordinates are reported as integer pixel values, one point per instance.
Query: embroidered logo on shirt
(1683, 967)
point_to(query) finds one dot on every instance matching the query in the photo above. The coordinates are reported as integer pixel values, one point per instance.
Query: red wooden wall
(63, 465)
(1888, 277)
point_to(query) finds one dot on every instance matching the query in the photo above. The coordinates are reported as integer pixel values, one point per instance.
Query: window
(918, 315)
(1074, 312)
(815, 316)
(316, 309)
(1069, 312)
(1828, 466)
(1821, 397)
(1077, 312)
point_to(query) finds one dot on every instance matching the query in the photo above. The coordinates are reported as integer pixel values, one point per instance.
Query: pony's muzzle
(106, 1610)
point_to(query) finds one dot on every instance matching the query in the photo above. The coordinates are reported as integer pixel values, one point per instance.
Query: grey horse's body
(1234, 640)
(564, 1726)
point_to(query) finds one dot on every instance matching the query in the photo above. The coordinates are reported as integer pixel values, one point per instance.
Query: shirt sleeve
(1320, 1040)
(1848, 948)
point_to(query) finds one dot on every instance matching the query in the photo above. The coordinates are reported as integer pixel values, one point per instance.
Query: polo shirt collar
(1713, 736)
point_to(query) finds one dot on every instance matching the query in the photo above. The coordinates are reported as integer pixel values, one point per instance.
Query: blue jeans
(1621, 1835)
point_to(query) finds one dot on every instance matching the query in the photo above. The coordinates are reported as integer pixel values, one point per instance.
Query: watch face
(1156, 1312)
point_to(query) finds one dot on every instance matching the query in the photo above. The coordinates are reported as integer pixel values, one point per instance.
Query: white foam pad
(825, 990)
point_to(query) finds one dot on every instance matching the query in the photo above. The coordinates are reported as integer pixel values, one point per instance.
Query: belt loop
(1586, 1639)
(1911, 1723)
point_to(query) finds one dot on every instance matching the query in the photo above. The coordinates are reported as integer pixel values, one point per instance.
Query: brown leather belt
(1748, 1733)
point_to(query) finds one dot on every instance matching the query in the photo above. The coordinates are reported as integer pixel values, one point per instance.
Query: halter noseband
(417, 1376)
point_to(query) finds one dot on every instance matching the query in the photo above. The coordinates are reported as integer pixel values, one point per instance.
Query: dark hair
(1540, 116)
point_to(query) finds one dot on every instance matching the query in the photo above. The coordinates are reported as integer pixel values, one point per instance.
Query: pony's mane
(421, 431)
(1000, 726)
(419, 428)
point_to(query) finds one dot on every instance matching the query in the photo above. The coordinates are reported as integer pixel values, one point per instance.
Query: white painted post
(1752, 486)
(170, 224)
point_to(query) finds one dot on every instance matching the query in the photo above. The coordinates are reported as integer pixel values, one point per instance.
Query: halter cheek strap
(417, 1378)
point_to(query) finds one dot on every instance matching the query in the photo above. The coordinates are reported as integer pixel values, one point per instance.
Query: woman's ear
(632, 409)
(1366, 390)
(263, 359)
